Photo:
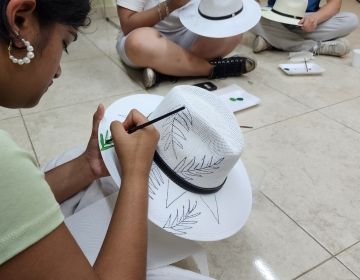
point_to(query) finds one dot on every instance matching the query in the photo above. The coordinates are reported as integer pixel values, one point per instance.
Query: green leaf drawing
(105, 142)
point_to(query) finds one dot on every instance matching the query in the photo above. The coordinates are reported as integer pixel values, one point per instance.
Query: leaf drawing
(190, 168)
(155, 180)
(105, 142)
(175, 130)
(183, 220)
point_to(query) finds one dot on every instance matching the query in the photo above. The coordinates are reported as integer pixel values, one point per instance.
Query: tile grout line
(313, 268)
(281, 121)
(310, 235)
(318, 242)
(337, 257)
(102, 51)
(10, 118)
(28, 134)
(342, 251)
(338, 122)
(347, 267)
(320, 108)
(77, 103)
(110, 22)
(303, 114)
(318, 265)
(288, 96)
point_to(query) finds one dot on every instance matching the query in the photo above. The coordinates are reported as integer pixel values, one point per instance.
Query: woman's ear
(21, 19)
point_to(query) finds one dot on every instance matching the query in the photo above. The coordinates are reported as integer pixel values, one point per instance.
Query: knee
(141, 42)
(351, 22)
(227, 45)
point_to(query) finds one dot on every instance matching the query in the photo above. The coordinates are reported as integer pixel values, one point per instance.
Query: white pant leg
(282, 38)
(102, 188)
(340, 25)
(174, 273)
(97, 190)
(277, 35)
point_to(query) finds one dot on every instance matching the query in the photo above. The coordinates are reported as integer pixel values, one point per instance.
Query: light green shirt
(28, 209)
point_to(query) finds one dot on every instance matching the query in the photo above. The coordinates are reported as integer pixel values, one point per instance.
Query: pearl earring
(29, 55)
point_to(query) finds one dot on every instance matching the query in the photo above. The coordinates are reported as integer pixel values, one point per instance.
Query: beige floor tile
(270, 246)
(85, 80)
(55, 131)
(311, 166)
(307, 164)
(274, 106)
(103, 35)
(6, 113)
(330, 270)
(345, 113)
(15, 127)
(81, 49)
(351, 258)
(315, 91)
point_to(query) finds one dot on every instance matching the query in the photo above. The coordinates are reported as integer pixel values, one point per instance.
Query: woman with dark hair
(34, 241)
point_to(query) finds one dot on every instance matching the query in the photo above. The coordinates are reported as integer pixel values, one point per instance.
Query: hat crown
(201, 143)
(219, 9)
(295, 8)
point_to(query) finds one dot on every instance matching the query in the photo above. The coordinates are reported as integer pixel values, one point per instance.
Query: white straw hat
(286, 11)
(198, 188)
(220, 18)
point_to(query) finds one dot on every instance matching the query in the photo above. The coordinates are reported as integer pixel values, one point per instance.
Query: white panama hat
(198, 187)
(220, 18)
(286, 11)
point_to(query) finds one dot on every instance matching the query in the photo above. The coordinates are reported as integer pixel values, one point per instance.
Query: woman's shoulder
(11, 153)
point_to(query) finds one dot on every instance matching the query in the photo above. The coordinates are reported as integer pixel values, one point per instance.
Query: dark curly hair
(68, 12)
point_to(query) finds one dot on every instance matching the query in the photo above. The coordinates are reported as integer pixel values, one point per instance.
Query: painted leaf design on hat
(156, 180)
(189, 168)
(183, 220)
(175, 129)
(105, 141)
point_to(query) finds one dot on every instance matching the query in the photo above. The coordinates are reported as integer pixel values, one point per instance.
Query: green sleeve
(28, 209)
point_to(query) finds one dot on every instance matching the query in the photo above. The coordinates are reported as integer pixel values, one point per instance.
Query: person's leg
(146, 47)
(210, 48)
(280, 37)
(329, 34)
(97, 190)
(173, 54)
(340, 25)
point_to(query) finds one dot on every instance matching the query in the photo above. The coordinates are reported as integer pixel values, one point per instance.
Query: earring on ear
(29, 55)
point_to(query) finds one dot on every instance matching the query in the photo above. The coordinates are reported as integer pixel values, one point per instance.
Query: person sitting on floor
(35, 243)
(152, 37)
(320, 31)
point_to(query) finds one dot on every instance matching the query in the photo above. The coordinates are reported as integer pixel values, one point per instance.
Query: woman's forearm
(331, 8)
(69, 178)
(130, 20)
(123, 253)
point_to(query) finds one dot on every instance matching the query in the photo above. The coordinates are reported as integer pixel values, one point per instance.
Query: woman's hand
(92, 153)
(309, 23)
(135, 151)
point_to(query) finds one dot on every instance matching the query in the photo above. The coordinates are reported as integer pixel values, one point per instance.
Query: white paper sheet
(89, 227)
(236, 98)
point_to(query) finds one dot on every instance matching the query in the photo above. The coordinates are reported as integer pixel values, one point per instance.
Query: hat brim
(244, 21)
(268, 14)
(188, 215)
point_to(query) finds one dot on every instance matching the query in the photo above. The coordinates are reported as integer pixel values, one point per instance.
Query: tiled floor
(303, 155)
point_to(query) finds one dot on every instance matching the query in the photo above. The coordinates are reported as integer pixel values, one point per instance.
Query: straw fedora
(220, 18)
(286, 11)
(198, 187)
